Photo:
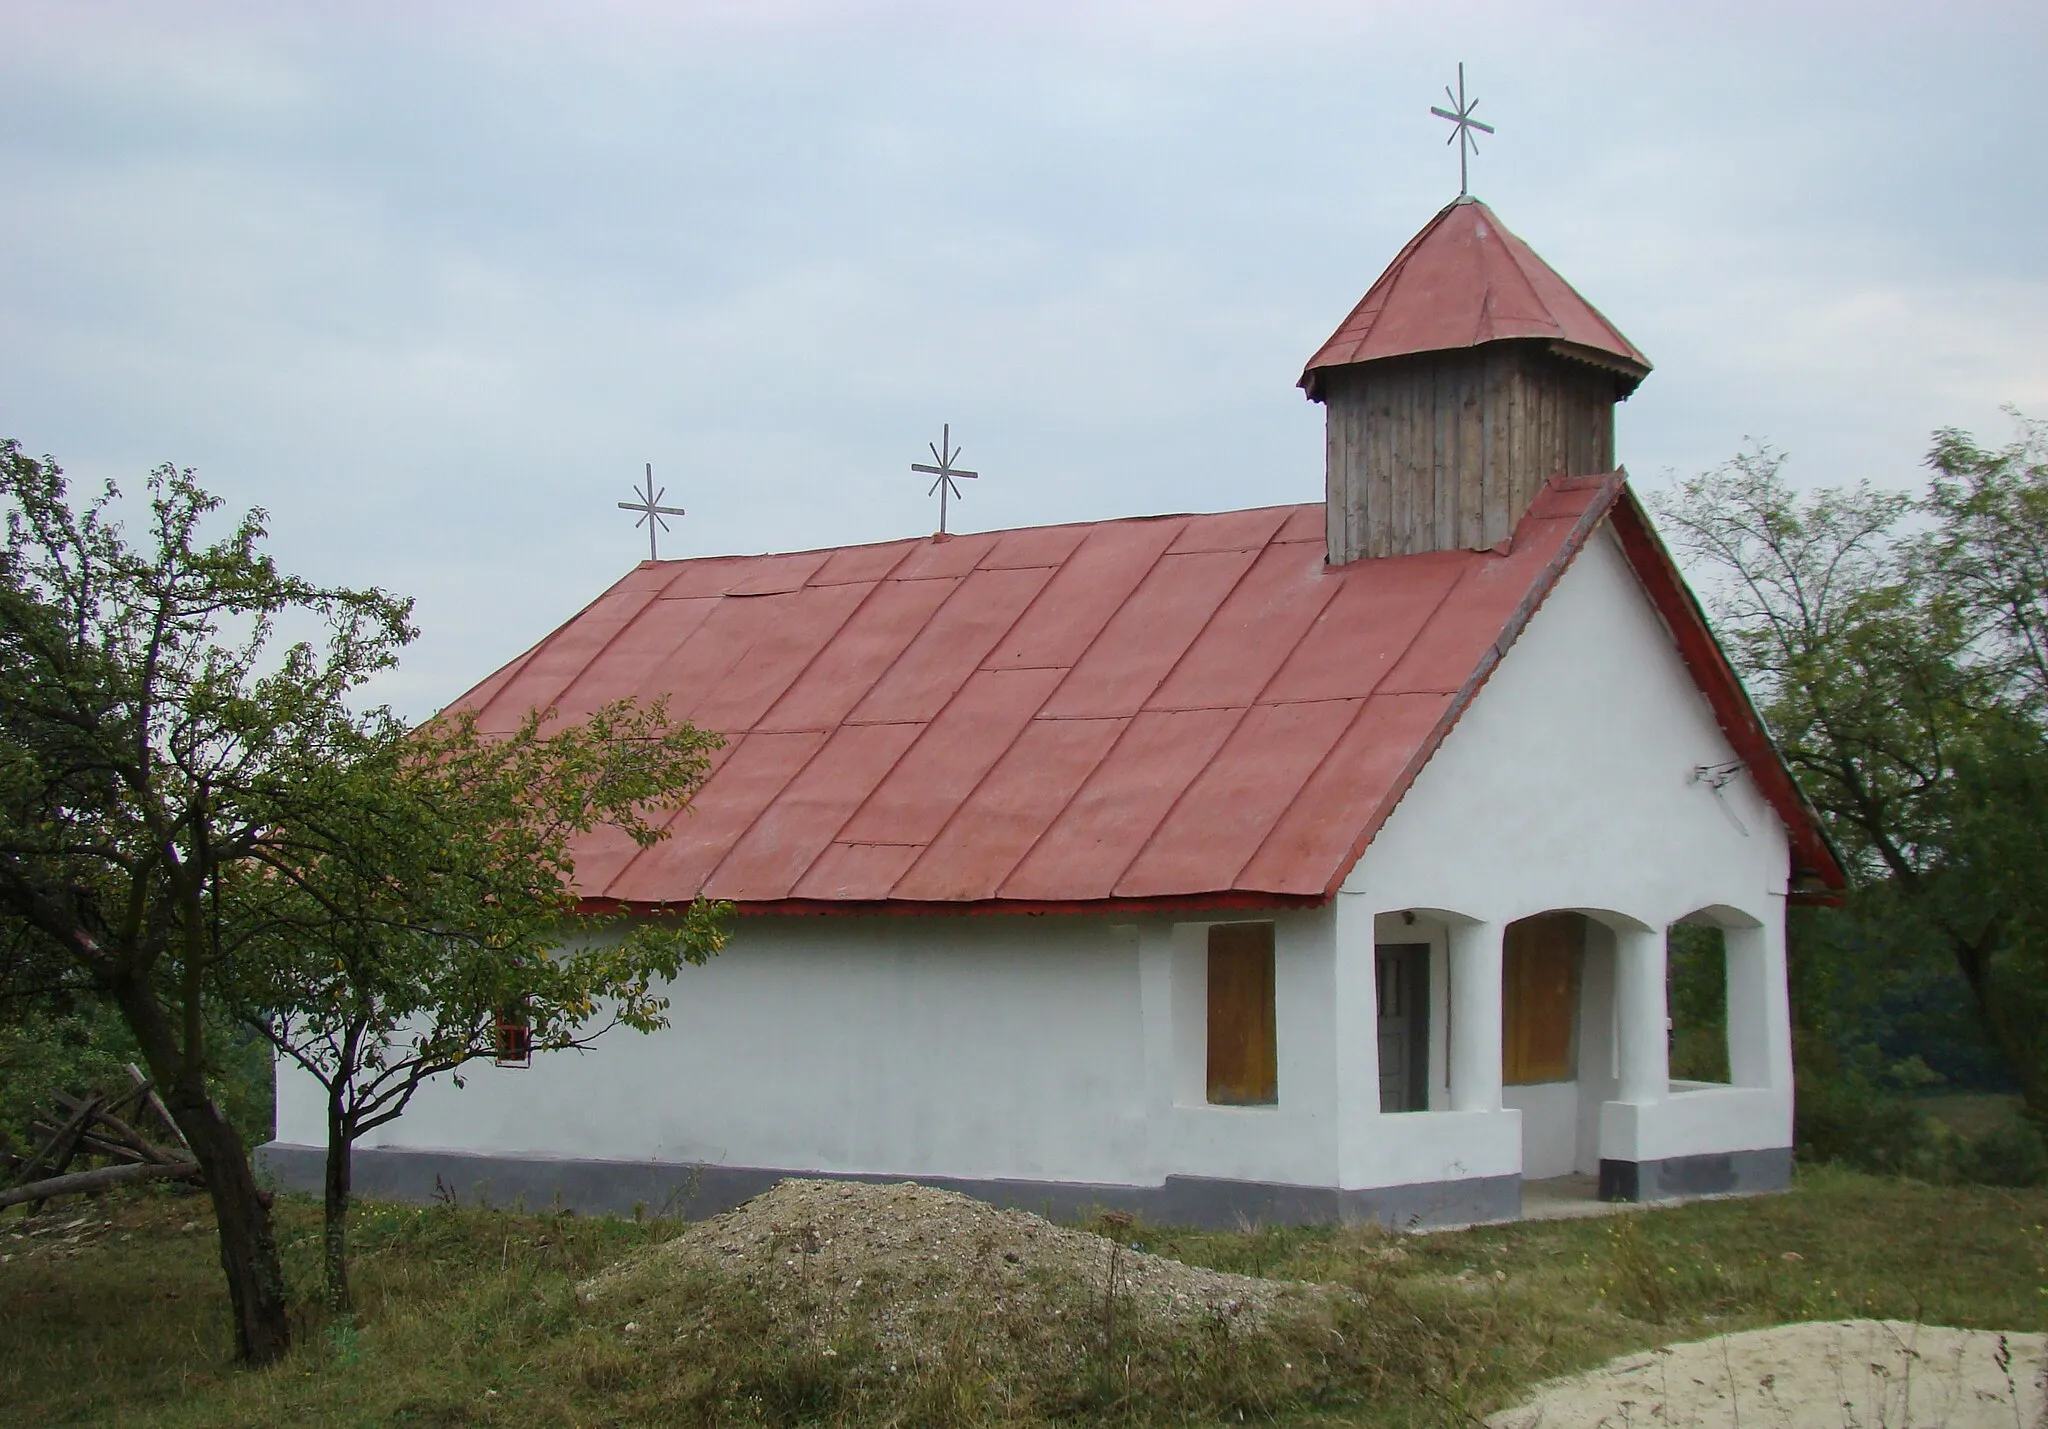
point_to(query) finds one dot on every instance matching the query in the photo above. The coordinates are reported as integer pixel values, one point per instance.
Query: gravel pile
(913, 1272)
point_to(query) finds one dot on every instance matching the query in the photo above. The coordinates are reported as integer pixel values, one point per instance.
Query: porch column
(1758, 1024)
(1641, 1016)
(1475, 1016)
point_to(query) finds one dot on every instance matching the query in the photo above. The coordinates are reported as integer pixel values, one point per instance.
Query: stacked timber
(95, 1127)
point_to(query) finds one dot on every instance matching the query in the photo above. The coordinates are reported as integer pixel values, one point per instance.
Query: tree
(427, 914)
(1895, 645)
(152, 737)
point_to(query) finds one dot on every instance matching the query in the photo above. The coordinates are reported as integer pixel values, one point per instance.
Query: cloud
(433, 282)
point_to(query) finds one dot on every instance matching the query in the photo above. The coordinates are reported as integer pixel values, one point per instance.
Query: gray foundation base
(674, 1189)
(1719, 1174)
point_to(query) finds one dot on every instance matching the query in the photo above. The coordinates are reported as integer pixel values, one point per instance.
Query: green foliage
(46, 1048)
(1898, 647)
(434, 892)
(81, 1045)
(1697, 995)
(1853, 1120)
(2008, 1155)
(194, 819)
(431, 901)
(156, 739)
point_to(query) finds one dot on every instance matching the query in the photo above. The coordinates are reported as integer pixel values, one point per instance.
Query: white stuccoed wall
(1567, 785)
(1071, 1048)
(1032, 1048)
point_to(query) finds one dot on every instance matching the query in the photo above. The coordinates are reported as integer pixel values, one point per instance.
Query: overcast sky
(431, 282)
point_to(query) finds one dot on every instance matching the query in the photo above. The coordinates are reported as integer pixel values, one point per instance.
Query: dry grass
(474, 1317)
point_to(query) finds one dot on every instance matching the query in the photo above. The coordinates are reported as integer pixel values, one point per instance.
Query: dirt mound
(1809, 1376)
(918, 1275)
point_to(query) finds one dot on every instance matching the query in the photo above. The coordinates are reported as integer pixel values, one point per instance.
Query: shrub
(1849, 1121)
(2008, 1155)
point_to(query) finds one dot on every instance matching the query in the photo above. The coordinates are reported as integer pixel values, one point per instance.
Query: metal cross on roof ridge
(651, 510)
(1462, 125)
(943, 474)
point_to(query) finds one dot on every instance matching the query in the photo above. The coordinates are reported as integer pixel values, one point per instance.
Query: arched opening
(1706, 957)
(1696, 990)
(1412, 976)
(1561, 990)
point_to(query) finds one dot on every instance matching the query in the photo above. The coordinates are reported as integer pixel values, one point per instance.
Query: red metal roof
(1173, 711)
(1464, 280)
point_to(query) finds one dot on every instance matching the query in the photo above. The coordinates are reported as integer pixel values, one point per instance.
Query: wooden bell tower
(1465, 379)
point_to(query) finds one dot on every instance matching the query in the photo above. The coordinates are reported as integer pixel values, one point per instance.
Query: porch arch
(1583, 1025)
(1745, 996)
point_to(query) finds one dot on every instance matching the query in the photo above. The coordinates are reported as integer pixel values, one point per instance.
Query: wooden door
(1244, 1062)
(1540, 960)
(1402, 978)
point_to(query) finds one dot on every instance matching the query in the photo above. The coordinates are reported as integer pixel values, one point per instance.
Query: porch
(1541, 1048)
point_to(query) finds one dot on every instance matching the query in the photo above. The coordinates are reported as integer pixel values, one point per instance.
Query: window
(1540, 998)
(1243, 1055)
(515, 1037)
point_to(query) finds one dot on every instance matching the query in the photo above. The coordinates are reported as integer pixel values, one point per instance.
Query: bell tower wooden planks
(1466, 378)
(1445, 451)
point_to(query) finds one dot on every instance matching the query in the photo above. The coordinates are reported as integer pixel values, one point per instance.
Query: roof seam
(668, 827)
(653, 600)
(1160, 684)
(707, 689)
(1489, 660)
(711, 873)
(1516, 258)
(1258, 701)
(562, 630)
(1040, 713)
(818, 654)
(1386, 275)
(1050, 696)
(508, 673)
(945, 705)
(1364, 702)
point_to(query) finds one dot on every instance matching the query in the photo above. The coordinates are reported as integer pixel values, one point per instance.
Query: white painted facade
(1071, 1049)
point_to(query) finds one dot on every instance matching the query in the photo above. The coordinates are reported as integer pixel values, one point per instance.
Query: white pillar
(1759, 1019)
(1641, 1017)
(1355, 1010)
(1475, 1016)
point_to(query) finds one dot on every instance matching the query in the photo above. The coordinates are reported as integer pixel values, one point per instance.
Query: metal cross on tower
(943, 474)
(651, 510)
(1462, 125)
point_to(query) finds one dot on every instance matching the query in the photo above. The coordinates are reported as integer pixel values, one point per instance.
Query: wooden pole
(106, 1176)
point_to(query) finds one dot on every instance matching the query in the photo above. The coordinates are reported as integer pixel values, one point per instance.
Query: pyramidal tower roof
(1465, 280)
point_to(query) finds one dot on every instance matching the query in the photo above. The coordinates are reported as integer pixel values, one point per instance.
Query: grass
(469, 1317)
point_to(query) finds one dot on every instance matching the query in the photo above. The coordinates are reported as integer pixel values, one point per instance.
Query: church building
(1302, 863)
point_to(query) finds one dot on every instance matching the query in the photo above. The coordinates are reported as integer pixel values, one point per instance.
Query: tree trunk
(248, 1248)
(2015, 1048)
(340, 1144)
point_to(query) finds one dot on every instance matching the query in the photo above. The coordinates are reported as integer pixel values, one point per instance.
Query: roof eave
(1814, 857)
(1627, 371)
(1234, 900)
(1610, 488)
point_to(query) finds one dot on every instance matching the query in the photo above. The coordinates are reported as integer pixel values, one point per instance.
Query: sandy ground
(1839, 1374)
